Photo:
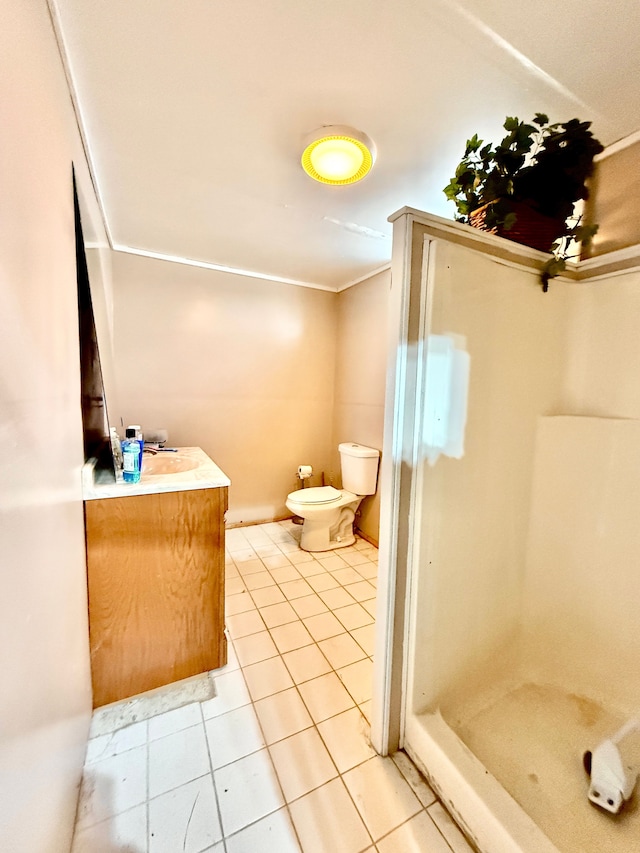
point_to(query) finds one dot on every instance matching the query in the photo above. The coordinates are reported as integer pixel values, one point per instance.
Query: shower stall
(510, 640)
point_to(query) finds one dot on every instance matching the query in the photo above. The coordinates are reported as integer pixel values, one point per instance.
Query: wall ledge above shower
(513, 254)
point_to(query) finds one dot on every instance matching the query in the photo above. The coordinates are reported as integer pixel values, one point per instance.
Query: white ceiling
(194, 112)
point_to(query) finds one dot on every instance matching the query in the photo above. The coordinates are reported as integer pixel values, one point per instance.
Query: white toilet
(328, 513)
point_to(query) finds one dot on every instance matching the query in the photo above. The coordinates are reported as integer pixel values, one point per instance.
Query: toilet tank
(359, 466)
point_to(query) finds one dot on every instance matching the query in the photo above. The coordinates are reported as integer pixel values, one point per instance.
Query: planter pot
(530, 229)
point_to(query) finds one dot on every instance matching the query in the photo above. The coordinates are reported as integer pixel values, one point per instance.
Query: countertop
(206, 475)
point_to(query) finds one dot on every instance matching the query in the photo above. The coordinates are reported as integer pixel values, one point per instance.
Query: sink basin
(167, 463)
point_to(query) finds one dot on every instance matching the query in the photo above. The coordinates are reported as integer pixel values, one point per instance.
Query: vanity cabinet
(155, 567)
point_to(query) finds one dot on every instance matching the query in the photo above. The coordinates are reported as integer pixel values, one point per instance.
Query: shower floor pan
(532, 740)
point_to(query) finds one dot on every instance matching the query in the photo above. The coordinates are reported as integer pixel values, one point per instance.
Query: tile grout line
(213, 781)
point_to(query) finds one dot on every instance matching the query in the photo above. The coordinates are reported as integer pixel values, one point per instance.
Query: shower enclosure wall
(518, 564)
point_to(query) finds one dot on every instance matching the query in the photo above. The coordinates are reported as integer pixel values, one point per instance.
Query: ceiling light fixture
(338, 155)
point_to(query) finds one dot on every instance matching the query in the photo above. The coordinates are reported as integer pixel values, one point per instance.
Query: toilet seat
(317, 496)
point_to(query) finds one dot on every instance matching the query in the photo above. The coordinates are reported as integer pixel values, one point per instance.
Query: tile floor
(278, 761)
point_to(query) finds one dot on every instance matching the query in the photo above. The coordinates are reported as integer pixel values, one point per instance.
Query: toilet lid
(316, 495)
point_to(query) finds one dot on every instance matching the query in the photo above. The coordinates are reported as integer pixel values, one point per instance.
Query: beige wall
(361, 363)
(615, 200)
(243, 368)
(45, 700)
(582, 591)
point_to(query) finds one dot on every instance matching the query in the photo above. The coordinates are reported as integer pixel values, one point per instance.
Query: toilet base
(310, 542)
(318, 535)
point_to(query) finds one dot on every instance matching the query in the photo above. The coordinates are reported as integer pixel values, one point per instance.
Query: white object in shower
(446, 393)
(615, 764)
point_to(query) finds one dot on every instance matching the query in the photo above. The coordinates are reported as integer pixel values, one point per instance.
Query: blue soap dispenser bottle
(131, 457)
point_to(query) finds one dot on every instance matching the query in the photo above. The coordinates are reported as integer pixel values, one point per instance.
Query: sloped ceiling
(194, 112)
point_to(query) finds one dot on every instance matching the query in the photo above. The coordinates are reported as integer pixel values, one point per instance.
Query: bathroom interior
(516, 589)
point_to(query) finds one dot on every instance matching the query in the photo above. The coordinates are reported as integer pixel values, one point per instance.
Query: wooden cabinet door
(156, 589)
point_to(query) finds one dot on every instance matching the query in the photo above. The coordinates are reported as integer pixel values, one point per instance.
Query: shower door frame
(415, 238)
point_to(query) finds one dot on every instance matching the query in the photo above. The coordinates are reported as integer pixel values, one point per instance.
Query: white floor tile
(332, 562)
(285, 574)
(276, 562)
(282, 715)
(325, 697)
(306, 663)
(368, 570)
(177, 759)
(296, 589)
(112, 786)
(258, 580)
(347, 576)
(414, 836)
(233, 735)
(235, 541)
(267, 677)
(347, 739)
(291, 546)
(243, 624)
(250, 567)
(125, 831)
(309, 568)
(322, 582)
(355, 558)
(299, 557)
(106, 746)
(256, 535)
(353, 616)
(365, 636)
(310, 605)
(238, 603)
(358, 679)
(382, 796)
(302, 763)
(232, 663)
(361, 591)
(292, 636)
(244, 554)
(174, 721)
(235, 586)
(341, 650)
(335, 598)
(231, 693)
(272, 834)
(327, 821)
(267, 550)
(247, 790)
(323, 626)
(449, 828)
(266, 596)
(279, 614)
(255, 648)
(184, 819)
(370, 606)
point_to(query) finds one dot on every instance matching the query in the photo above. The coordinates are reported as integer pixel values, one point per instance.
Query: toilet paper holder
(304, 472)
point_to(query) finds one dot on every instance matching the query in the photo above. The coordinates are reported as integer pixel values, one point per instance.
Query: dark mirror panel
(95, 422)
